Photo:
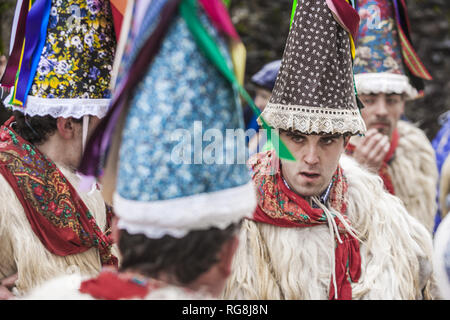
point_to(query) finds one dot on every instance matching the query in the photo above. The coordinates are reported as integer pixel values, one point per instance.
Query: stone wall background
(264, 25)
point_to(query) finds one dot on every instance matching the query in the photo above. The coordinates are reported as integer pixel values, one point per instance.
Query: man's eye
(368, 101)
(297, 139)
(392, 101)
(327, 141)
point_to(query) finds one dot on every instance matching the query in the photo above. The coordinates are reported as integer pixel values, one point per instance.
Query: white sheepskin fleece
(22, 252)
(414, 174)
(295, 263)
(66, 287)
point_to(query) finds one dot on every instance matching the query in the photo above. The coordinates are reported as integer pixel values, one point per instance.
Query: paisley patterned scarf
(57, 214)
(383, 171)
(280, 206)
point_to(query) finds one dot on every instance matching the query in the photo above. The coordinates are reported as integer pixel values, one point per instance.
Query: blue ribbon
(35, 36)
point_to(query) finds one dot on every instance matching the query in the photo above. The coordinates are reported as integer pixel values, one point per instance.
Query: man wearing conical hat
(177, 217)
(387, 74)
(324, 227)
(60, 89)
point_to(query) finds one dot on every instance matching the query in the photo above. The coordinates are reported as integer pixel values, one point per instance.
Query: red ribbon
(346, 16)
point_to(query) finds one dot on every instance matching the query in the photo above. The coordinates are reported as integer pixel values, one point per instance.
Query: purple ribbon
(13, 62)
(35, 18)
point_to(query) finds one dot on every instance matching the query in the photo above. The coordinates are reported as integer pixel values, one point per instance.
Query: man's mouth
(309, 175)
(381, 124)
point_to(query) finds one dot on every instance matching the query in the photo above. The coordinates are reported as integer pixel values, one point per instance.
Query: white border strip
(66, 108)
(177, 217)
(384, 82)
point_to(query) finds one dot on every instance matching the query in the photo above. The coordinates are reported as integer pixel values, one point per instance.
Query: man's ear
(65, 127)
(227, 254)
(346, 141)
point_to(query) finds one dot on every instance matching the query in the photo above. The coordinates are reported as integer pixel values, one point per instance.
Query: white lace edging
(314, 119)
(177, 217)
(384, 82)
(76, 108)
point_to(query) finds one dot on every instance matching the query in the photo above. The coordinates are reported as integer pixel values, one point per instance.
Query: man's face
(317, 158)
(262, 98)
(382, 111)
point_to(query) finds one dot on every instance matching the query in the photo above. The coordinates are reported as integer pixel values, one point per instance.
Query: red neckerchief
(279, 206)
(57, 214)
(383, 171)
(114, 286)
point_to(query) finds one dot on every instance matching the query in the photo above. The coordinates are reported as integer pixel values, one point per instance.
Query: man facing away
(177, 221)
(324, 227)
(48, 225)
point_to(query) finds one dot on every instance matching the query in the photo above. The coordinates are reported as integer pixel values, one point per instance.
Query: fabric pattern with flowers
(180, 88)
(77, 58)
(378, 46)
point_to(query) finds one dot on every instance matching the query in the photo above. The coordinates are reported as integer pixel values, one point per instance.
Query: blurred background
(264, 25)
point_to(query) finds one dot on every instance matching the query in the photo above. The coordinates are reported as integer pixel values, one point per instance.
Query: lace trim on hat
(384, 82)
(66, 108)
(177, 217)
(312, 120)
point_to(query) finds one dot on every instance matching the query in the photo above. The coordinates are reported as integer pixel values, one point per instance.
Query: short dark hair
(183, 259)
(36, 129)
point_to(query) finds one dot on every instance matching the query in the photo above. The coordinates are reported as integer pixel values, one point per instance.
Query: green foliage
(6, 10)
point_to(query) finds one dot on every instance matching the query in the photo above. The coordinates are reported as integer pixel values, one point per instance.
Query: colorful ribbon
(35, 36)
(410, 57)
(12, 66)
(188, 10)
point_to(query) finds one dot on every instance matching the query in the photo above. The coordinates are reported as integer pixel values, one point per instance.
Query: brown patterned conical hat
(314, 91)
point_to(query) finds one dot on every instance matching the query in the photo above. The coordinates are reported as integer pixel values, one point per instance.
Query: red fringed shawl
(383, 172)
(279, 206)
(57, 214)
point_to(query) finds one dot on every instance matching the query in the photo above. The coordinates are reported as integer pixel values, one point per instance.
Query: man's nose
(381, 109)
(312, 155)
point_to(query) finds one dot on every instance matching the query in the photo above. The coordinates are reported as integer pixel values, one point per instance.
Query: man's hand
(372, 149)
(5, 287)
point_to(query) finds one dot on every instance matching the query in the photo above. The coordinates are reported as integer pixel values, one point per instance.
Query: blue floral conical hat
(177, 172)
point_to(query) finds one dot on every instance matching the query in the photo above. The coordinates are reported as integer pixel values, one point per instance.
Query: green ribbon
(294, 6)
(188, 10)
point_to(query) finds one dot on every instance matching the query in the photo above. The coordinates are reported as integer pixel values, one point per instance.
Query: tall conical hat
(385, 61)
(167, 180)
(65, 64)
(314, 91)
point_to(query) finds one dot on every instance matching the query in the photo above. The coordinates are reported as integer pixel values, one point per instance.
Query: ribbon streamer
(35, 35)
(411, 58)
(9, 76)
(188, 10)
